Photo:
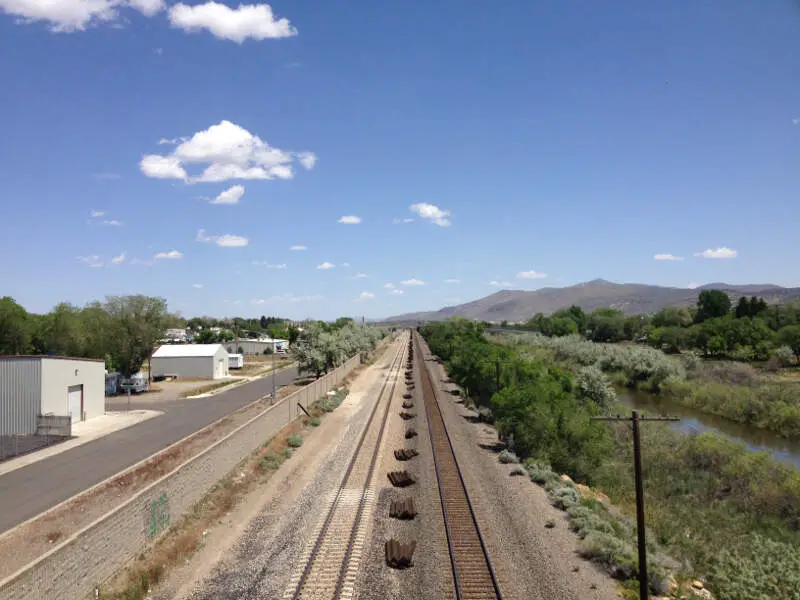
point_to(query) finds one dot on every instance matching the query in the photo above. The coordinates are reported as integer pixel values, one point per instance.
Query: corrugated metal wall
(20, 391)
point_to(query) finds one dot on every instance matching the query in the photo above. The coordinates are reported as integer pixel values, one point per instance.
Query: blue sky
(573, 139)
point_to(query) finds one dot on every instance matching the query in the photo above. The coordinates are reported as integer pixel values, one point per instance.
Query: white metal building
(191, 361)
(31, 386)
(249, 347)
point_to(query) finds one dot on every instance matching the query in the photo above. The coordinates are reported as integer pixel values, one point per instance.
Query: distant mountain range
(631, 298)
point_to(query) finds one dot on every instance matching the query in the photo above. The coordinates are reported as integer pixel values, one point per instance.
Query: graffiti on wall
(158, 519)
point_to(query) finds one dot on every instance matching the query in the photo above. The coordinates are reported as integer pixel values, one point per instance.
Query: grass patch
(295, 441)
(507, 457)
(313, 421)
(332, 402)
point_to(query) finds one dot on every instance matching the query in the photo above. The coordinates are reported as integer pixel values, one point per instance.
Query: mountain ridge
(631, 298)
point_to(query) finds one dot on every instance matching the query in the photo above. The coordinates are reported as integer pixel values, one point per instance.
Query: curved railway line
(473, 575)
(332, 563)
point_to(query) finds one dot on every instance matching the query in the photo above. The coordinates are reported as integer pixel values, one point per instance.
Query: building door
(75, 402)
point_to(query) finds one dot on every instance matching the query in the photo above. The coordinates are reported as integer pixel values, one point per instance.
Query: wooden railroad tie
(410, 433)
(403, 509)
(399, 556)
(409, 373)
(401, 478)
(408, 404)
(406, 396)
(405, 453)
(407, 415)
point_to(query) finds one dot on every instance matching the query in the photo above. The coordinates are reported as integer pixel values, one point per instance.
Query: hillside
(631, 298)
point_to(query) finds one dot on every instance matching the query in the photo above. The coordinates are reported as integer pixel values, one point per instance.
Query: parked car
(136, 384)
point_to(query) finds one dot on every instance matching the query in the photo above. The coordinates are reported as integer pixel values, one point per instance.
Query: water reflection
(782, 449)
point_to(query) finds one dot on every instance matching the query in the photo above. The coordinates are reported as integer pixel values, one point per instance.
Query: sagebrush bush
(507, 457)
(595, 385)
(270, 462)
(485, 414)
(295, 441)
(540, 473)
(564, 497)
(785, 355)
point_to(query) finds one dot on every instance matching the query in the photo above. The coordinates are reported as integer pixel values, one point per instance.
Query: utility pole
(273, 368)
(635, 419)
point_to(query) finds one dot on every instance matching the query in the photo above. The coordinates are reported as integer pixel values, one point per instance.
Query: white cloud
(197, 286)
(307, 159)
(162, 167)
(406, 220)
(326, 265)
(118, 260)
(147, 7)
(452, 281)
(228, 151)
(795, 121)
(345, 265)
(397, 292)
(260, 301)
(530, 275)
(693, 285)
(93, 261)
(359, 276)
(412, 282)
(350, 220)
(254, 21)
(298, 248)
(667, 257)
(388, 286)
(364, 296)
(432, 213)
(225, 241)
(721, 252)
(263, 263)
(501, 283)
(230, 196)
(172, 254)
(139, 261)
(112, 223)
(62, 15)
(97, 213)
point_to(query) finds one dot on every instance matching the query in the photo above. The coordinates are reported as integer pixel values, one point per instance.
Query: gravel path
(267, 542)
(531, 561)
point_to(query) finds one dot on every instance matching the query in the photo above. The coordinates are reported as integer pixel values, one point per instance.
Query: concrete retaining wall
(85, 560)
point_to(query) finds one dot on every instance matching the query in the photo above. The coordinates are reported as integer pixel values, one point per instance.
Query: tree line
(324, 346)
(750, 330)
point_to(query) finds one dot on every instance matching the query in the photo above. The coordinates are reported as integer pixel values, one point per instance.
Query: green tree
(136, 323)
(742, 308)
(790, 336)
(63, 333)
(207, 336)
(606, 325)
(712, 304)
(672, 316)
(15, 335)
(293, 334)
(263, 322)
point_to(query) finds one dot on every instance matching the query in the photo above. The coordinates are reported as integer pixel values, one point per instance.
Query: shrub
(594, 384)
(617, 556)
(270, 462)
(287, 452)
(506, 457)
(485, 414)
(313, 421)
(540, 473)
(518, 470)
(564, 497)
(785, 355)
(295, 441)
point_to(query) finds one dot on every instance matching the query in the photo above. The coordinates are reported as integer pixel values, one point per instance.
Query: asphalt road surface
(30, 490)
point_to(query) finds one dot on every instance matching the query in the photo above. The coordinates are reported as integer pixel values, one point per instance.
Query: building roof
(183, 351)
(77, 358)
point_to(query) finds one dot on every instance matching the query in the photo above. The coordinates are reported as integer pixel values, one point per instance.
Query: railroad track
(330, 569)
(473, 575)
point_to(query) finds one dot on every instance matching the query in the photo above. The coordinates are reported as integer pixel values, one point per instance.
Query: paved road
(28, 491)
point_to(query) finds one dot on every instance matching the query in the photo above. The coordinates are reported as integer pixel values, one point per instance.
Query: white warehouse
(31, 386)
(190, 361)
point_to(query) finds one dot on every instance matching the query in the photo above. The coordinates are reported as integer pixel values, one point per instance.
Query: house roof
(49, 356)
(187, 350)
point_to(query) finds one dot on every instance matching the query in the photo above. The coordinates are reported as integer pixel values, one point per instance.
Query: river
(692, 420)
